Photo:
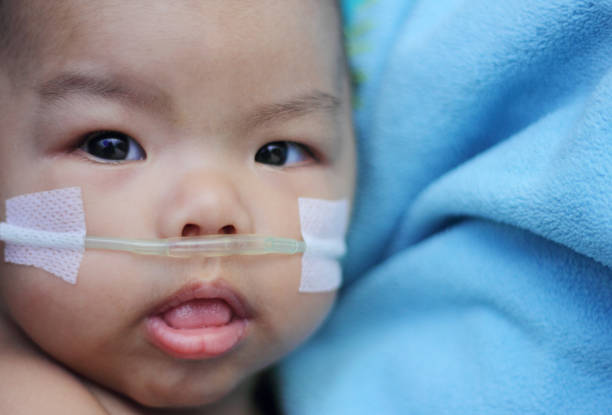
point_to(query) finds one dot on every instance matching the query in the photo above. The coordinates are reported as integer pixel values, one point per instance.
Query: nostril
(190, 230)
(228, 230)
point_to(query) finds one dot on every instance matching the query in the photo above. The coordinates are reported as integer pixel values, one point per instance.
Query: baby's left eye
(112, 146)
(283, 153)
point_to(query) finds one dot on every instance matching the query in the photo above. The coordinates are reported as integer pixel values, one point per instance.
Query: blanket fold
(479, 274)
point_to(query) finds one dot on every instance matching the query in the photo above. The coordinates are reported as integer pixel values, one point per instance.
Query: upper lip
(207, 290)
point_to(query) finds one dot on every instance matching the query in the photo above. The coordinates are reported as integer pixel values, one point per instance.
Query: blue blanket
(479, 277)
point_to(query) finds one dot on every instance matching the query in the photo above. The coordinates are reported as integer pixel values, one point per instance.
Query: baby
(174, 119)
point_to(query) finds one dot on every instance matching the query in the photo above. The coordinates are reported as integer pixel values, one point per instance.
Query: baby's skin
(174, 119)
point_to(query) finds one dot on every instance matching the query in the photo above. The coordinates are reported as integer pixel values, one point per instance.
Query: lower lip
(198, 343)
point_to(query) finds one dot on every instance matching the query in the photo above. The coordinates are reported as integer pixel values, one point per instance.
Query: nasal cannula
(207, 245)
(212, 245)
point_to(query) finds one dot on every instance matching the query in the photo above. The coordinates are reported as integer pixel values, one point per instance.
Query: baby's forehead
(249, 40)
(29, 26)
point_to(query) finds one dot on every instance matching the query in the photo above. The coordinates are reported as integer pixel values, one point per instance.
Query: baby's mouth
(199, 313)
(201, 321)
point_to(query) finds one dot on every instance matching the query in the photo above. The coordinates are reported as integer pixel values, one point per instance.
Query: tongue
(199, 313)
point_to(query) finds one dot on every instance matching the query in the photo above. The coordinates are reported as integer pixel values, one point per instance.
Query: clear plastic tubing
(210, 246)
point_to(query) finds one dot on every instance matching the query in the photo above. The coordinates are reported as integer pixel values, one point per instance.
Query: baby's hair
(6, 39)
(343, 64)
(12, 42)
(18, 37)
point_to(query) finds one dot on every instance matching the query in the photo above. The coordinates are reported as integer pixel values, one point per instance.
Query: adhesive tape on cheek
(323, 224)
(63, 213)
(56, 219)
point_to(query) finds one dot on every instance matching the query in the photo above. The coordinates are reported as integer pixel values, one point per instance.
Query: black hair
(18, 38)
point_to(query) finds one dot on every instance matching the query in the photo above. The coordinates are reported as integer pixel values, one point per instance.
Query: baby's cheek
(289, 316)
(65, 320)
(301, 317)
(36, 302)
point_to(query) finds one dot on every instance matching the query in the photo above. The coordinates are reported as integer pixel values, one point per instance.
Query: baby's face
(176, 119)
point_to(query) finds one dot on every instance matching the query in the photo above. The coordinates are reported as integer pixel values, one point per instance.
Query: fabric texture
(478, 278)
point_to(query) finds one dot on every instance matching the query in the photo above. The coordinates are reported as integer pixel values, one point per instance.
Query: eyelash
(132, 152)
(115, 147)
(286, 154)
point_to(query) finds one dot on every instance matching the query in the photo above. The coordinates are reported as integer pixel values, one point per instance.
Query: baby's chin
(161, 392)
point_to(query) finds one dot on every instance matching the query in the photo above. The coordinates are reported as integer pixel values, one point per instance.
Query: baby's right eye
(112, 146)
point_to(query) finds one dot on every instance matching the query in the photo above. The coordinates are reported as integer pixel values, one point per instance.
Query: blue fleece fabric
(479, 277)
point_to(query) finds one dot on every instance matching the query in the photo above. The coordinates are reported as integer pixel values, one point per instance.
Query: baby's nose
(205, 203)
(193, 229)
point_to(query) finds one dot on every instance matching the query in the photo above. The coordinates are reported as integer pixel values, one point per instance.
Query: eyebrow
(133, 91)
(153, 99)
(310, 102)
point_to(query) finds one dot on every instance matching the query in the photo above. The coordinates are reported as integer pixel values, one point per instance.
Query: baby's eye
(112, 146)
(283, 153)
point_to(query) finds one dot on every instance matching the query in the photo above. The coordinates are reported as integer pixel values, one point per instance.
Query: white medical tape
(323, 224)
(47, 230)
(37, 221)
